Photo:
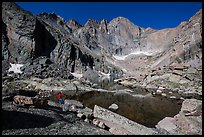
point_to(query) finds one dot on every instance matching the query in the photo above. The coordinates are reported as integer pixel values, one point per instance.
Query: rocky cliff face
(102, 46)
(186, 45)
(19, 26)
(26, 37)
(160, 48)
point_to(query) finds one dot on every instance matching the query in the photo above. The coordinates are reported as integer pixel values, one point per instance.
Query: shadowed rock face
(71, 45)
(44, 41)
(5, 42)
(32, 36)
(32, 121)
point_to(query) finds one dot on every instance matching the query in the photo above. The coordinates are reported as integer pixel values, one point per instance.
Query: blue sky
(157, 15)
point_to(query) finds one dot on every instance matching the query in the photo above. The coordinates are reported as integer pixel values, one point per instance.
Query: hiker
(59, 97)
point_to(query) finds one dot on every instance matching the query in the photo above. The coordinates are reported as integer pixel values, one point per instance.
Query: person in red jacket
(59, 97)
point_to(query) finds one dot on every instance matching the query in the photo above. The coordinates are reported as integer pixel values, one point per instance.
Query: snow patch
(133, 53)
(104, 75)
(77, 75)
(119, 57)
(139, 95)
(15, 68)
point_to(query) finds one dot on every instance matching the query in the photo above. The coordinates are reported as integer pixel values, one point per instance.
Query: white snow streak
(133, 53)
(104, 75)
(77, 75)
(15, 68)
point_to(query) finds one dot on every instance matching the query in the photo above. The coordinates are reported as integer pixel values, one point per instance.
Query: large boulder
(187, 122)
(121, 121)
(72, 105)
(23, 100)
(30, 101)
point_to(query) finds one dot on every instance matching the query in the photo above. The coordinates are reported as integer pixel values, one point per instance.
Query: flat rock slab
(190, 105)
(168, 124)
(115, 128)
(189, 125)
(125, 123)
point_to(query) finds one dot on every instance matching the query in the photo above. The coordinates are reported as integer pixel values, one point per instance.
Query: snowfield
(77, 75)
(15, 68)
(133, 53)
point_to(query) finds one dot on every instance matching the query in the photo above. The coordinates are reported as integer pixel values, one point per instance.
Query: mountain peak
(91, 23)
(73, 24)
(121, 19)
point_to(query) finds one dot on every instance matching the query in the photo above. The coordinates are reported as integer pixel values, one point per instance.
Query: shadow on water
(145, 110)
(22, 120)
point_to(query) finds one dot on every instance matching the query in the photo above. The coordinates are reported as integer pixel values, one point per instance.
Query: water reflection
(146, 110)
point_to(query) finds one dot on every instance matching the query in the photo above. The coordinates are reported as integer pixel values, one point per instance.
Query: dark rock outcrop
(43, 67)
(5, 42)
(44, 41)
(32, 36)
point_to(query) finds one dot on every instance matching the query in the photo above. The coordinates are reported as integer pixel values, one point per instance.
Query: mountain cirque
(84, 55)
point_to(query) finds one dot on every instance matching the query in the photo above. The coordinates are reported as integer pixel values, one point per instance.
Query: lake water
(146, 110)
